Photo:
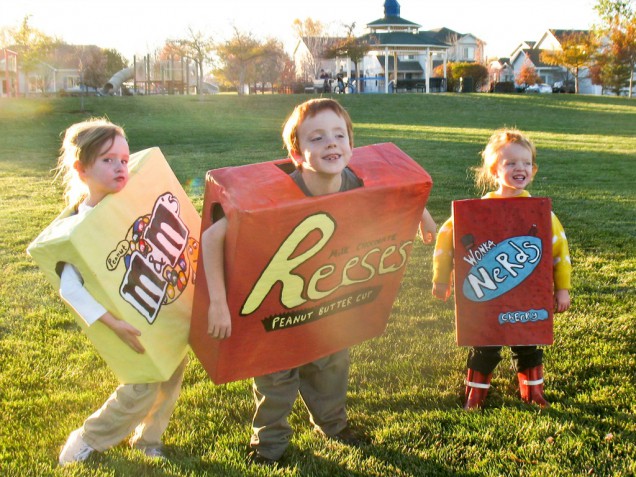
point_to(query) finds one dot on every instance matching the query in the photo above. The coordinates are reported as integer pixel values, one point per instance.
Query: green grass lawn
(406, 387)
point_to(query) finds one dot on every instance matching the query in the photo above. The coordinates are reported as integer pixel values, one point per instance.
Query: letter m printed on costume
(307, 276)
(504, 290)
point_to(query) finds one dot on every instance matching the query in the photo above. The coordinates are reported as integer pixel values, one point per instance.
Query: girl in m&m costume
(93, 164)
(509, 164)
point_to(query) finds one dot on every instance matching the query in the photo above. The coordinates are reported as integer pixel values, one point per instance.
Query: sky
(138, 27)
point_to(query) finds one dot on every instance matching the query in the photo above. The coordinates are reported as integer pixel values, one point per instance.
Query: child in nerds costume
(509, 164)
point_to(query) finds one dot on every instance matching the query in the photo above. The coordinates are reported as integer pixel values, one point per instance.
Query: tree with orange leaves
(527, 75)
(617, 60)
(577, 49)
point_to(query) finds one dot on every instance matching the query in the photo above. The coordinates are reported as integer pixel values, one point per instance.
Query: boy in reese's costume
(287, 294)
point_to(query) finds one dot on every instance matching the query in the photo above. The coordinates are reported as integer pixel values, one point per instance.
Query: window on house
(72, 81)
(469, 53)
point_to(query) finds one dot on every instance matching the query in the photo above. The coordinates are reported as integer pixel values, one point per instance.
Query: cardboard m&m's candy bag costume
(307, 276)
(136, 252)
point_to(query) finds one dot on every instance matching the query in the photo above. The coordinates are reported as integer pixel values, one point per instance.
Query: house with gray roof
(399, 54)
(529, 53)
(58, 71)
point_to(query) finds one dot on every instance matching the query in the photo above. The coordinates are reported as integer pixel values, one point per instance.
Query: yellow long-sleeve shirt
(443, 255)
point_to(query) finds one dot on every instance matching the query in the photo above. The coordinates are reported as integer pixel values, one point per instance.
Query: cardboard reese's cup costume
(504, 287)
(307, 276)
(136, 252)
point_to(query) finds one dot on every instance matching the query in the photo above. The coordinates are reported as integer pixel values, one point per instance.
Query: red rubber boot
(477, 385)
(531, 386)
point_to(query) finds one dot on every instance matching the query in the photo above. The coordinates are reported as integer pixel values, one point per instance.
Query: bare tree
(349, 47)
(314, 35)
(452, 39)
(198, 47)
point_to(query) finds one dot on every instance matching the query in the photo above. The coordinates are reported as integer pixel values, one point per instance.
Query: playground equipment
(115, 83)
(158, 76)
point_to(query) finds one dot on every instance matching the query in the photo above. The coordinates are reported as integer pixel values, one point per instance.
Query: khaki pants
(144, 408)
(322, 385)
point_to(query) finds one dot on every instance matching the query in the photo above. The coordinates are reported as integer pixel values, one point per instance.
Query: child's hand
(219, 320)
(441, 291)
(125, 331)
(428, 228)
(561, 300)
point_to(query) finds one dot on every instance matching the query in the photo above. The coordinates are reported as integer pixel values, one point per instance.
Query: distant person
(94, 164)
(341, 85)
(316, 129)
(509, 163)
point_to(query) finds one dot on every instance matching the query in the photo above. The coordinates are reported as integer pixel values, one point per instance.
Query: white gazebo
(398, 47)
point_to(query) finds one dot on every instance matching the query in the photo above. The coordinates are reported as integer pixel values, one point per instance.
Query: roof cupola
(391, 8)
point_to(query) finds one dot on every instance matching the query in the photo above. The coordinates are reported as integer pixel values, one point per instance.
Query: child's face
(108, 173)
(514, 169)
(324, 144)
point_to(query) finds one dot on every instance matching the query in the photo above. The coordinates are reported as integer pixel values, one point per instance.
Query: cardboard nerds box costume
(307, 276)
(136, 252)
(504, 290)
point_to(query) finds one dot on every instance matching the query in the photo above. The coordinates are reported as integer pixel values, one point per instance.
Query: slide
(114, 84)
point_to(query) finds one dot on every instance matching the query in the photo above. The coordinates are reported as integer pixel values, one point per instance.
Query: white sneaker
(75, 449)
(152, 452)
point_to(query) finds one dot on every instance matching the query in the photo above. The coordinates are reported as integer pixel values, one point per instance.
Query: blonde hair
(308, 109)
(82, 143)
(485, 174)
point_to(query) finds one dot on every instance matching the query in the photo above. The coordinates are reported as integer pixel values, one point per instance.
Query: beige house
(529, 53)
(465, 47)
(58, 72)
(500, 71)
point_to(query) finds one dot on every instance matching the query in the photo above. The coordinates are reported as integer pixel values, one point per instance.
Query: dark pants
(322, 384)
(486, 358)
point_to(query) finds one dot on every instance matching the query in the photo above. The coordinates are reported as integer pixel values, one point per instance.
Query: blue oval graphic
(529, 316)
(503, 268)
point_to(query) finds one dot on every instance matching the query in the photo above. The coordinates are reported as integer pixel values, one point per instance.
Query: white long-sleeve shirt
(74, 293)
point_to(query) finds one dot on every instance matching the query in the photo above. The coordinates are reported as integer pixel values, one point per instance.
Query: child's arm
(562, 300)
(443, 261)
(441, 291)
(74, 293)
(212, 243)
(428, 227)
(562, 266)
(126, 332)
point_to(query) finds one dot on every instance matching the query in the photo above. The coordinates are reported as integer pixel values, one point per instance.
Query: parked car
(563, 87)
(539, 88)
